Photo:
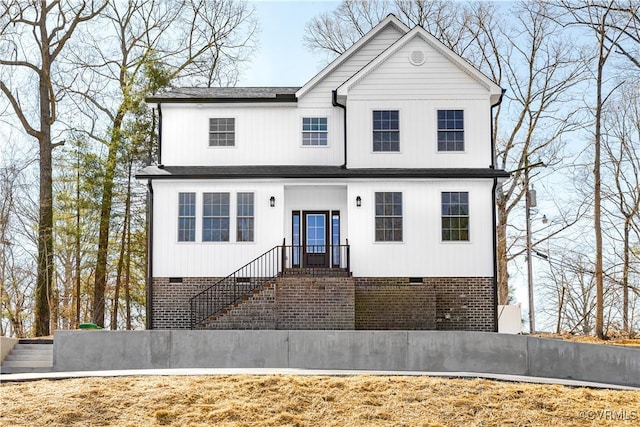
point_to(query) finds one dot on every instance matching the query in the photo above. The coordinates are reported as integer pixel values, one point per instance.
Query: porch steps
(29, 356)
(316, 272)
(254, 311)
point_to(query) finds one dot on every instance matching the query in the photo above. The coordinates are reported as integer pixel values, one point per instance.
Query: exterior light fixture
(358, 201)
(272, 201)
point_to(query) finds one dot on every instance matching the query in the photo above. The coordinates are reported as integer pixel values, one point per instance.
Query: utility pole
(530, 202)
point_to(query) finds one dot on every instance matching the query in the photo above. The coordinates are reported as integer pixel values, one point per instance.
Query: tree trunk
(44, 278)
(105, 221)
(501, 230)
(597, 215)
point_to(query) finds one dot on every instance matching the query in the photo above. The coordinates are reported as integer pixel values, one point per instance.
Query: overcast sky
(282, 59)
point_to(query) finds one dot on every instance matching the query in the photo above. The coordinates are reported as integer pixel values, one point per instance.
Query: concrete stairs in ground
(29, 356)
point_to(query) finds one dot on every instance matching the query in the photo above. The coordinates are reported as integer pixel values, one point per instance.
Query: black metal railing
(309, 259)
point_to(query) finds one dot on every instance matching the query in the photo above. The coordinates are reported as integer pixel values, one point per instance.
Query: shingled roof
(226, 94)
(255, 172)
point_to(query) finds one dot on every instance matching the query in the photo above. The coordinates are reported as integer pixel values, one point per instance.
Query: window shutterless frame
(450, 130)
(187, 217)
(385, 127)
(315, 132)
(388, 216)
(222, 132)
(455, 216)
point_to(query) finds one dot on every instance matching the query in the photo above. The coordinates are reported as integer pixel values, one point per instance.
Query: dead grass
(589, 339)
(246, 400)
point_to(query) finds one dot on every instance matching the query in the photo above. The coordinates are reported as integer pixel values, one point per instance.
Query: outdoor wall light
(272, 201)
(358, 201)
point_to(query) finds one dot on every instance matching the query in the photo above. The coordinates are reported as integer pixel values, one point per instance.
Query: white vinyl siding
(264, 135)
(320, 95)
(437, 78)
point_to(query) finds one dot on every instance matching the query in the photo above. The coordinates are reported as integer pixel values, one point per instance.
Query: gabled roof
(300, 172)
(389, 20)
(226, 94)
(490, 85)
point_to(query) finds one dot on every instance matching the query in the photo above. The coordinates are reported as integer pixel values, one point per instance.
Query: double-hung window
(386, 130)
(389, 217)
(215, 217)
(244, 217)
(455, 216)
(450, 130)
(186, 217)
(314, 131)
(222, 132)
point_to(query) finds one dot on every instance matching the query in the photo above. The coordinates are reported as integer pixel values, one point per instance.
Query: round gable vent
(417, 57)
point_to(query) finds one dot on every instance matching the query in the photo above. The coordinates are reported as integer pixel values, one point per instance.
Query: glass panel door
(316, 239)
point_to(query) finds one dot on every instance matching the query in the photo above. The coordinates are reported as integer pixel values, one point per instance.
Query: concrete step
(27, 363)
(24, 370)
(29, 356)
(21, 346)
(46, 356)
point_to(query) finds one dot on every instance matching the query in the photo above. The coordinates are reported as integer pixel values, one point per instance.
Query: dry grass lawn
(287, 400)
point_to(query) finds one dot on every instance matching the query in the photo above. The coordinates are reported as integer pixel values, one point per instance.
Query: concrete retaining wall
(429, 351)
(6, 345)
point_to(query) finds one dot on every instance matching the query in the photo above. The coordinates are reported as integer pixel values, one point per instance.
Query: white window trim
(453, 242)
(302, 132)
(235, 132)
(464, 130)
(177, 221)
(400, 125)
(373, 211)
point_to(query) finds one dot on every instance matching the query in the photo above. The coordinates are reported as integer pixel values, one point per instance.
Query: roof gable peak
(390, 19)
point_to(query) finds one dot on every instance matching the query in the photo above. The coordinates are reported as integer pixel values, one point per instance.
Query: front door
(315, 249)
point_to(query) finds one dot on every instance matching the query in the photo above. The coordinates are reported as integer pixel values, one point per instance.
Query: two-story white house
(363, 200)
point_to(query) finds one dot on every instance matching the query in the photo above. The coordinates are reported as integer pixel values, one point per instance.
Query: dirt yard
(246, 400)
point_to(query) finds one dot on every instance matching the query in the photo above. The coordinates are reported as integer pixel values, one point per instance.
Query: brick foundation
(370, 303)
(315, 303)
(387, 303)
(171, 307)
(464, 303)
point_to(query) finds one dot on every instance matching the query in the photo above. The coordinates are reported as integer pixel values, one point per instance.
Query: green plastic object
(89, 326)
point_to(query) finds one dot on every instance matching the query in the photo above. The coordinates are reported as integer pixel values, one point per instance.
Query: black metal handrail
(311, 259)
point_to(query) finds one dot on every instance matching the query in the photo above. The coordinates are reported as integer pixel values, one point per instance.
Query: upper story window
(386, 130)
(455, 216)
(186, 217)
(222, 132)
(450, 130)
(314, 131)
(389, 217)
(245, 217)
(215, 217)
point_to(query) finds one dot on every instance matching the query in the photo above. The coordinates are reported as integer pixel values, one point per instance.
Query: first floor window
(450, 130)
(245, 217)
(314, 131)
(455, 216)
(186, 217)
(386, 130)
(215, 217)
(222, 132)
(389, 217)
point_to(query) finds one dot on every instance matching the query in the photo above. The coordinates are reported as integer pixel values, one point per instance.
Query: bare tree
(158, 41)
(32, 37)
(606, 24)
(621, 123)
